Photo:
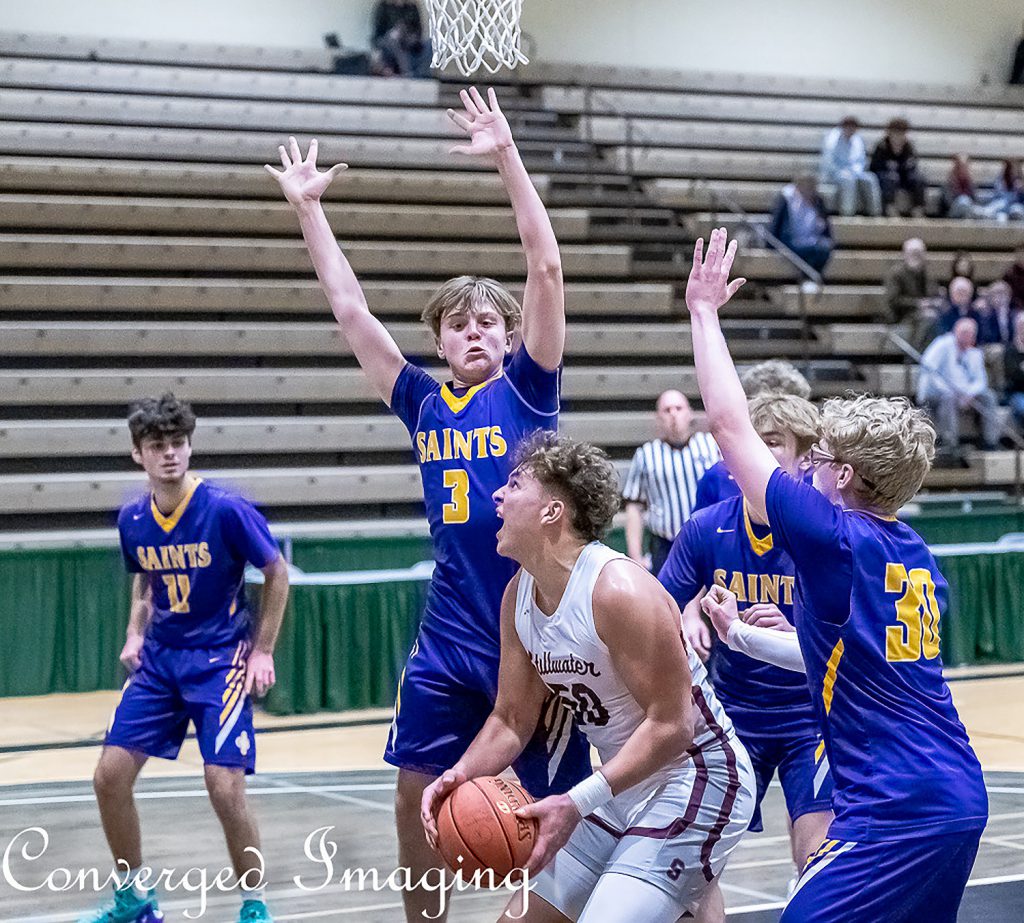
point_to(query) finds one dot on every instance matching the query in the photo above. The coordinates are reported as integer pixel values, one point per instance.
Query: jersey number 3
(916, 611)
(457, 481)
(178, 590)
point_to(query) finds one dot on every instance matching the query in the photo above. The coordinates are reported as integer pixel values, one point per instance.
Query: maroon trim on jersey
(731, 789)
(680, 824)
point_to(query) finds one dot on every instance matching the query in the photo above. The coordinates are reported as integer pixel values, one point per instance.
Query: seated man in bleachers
(800, 222)
(952, 379)
(894, 160)
(911, 295)
(844, 161)
(959, 303)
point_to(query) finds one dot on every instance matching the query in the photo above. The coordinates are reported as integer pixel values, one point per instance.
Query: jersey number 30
(917, 612)
(457, 481)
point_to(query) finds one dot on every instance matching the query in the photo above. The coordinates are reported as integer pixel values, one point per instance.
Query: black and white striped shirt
(665, 479)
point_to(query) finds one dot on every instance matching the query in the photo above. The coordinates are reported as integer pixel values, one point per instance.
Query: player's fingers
(735, 286)
(478, 100)
(459, 119)
(730, 255)
(285, 161)
(293, 150)
(311, 153)
(467, 101)
(698, 253)
(336, 169)
(461, 149)
(273, 171)
(492, 98)
(250, 678)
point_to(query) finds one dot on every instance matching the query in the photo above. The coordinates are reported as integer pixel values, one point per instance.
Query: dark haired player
(194, 651)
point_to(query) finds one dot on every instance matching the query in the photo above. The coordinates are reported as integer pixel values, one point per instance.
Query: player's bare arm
(695, 629)
(543, 325)
(639, 622)
(303, 185)
(138, 618)
(708, 288)
(259, 669)
(508, 729)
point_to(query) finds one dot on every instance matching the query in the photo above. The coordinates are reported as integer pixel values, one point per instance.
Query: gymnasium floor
(325, 771)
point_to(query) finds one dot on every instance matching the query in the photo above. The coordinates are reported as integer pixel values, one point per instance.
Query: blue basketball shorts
(803, 772)
(909, 880)
(444, 697)
(173, 687)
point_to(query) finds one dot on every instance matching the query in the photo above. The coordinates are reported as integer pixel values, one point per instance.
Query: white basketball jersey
(575, 664)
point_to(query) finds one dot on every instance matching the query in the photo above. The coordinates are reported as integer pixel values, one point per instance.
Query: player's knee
(226, 788)
(112, 779)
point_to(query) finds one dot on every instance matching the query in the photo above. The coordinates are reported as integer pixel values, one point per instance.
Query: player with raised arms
(909, 800)
(729, 545)
(642, 838)
(194, 650)
(463, 434)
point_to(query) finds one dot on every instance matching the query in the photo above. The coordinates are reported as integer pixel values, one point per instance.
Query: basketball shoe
(127, 907)
(254, 912)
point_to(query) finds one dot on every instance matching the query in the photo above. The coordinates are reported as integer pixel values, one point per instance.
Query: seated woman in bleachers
(800, 222)
(1008, 202)
(844, 164)
(961, 194)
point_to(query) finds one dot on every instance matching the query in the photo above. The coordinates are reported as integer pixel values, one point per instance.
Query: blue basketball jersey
(720, 545)
(869, 602)
(464, 445)
(715, 486)
(195, 559)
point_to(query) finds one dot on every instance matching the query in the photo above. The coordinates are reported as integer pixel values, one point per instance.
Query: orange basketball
(477, 829)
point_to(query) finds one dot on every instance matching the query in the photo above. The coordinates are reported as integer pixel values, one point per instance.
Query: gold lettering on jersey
(174, 557)
(448, 444)
(756, 588)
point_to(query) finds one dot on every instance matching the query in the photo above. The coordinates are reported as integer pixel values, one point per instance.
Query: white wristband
(590, 794)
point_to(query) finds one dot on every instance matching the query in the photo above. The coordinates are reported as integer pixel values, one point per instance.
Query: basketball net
(475, 33)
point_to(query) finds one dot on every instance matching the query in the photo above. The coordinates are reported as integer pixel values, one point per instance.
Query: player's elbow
(547, 269)
(674, 737)
(277, 570)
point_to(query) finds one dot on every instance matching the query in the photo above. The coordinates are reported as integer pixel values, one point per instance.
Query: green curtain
(344, 646)
(980, 525)
(985, 622)
(63, 616)
(330, 555)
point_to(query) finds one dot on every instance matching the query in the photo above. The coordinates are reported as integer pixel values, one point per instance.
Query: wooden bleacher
(144, 249)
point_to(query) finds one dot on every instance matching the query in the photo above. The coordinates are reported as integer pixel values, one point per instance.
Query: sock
(129, 883)
(255, 894)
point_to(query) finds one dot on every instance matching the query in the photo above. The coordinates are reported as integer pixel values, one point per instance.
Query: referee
(663, 478)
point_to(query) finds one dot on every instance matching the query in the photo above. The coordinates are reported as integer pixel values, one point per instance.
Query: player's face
(783, 447)
(473, 343)
(826, 475)
(164, 458)
(520, 506)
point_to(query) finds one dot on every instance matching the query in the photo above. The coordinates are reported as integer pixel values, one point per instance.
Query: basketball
(477, 829)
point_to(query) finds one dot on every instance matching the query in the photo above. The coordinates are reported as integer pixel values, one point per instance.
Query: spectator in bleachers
(961, 194)
(952, 379)
(844, 161)
(399, 46)
(959, 303)
(1014, 277)
(1013, 370)
(1008, 196)
(800, 222)
(1000, 316)
(911, 295)
(962, 265)
(1017, 68)
(894, 162)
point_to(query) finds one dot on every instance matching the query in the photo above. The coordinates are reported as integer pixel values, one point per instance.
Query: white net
(476, 33)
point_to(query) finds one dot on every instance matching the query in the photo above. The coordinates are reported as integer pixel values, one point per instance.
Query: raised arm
(544, 299)
(748, 459)
(374, 348)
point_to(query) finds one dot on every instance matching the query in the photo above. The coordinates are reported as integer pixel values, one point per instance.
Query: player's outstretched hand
(259, 673)
(766, 615)
(131, 653)
(720, 606)
(556, 818)
(484, 124)
(300, 180)
(433, 797)
(708, 286)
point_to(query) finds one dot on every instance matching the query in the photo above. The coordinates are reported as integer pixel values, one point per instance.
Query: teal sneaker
(254, 912)
(126, 908)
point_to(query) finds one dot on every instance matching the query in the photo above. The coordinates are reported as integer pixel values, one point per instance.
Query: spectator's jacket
(842, 155)
(1014, 277)
(951, 314)
(990, 330)
(946, 369)
(885, 160)
(905, 287)
(1013, 369)
(782, 219)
